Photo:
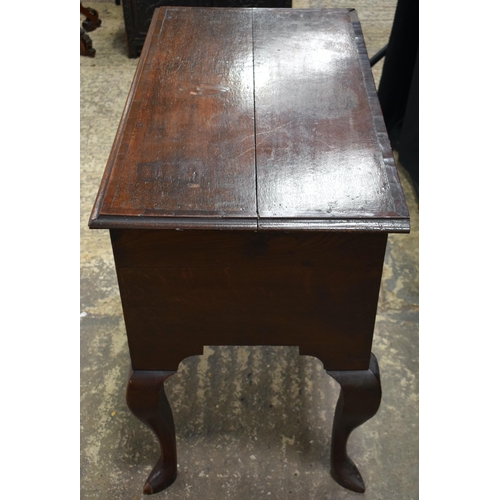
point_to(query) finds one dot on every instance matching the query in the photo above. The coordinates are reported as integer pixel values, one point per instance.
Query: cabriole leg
(359, 401)
(146, 399)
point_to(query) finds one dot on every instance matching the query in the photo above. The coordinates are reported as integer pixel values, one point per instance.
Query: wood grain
(150, 248)
(200, 146)
(318, 153)
(181, 291)
(137, 14)
(187, 148)
(249, 194)
(147, 400)
(359, 400)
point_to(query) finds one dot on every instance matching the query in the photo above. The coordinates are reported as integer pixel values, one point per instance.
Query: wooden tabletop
(252, 119)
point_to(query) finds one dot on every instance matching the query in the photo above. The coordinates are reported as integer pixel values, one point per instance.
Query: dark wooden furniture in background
(249, 194)
(90, 23)
(399, 87)
(137, 15)
(86, 48)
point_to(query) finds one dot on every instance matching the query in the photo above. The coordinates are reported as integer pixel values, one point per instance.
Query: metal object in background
(376, 58)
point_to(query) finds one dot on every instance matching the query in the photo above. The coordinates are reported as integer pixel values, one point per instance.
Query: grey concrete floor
(252, 423)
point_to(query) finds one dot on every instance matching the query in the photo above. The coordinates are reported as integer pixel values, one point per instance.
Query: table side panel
(188, 142)
(325, 303)
(157, 248)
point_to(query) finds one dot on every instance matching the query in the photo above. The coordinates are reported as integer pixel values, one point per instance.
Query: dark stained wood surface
(199, 147)
(137, 14)
(147, 400)
(265, 120)
(183, 290)
(150, 248)
(319, 153)
(359, 400)
(187, 147)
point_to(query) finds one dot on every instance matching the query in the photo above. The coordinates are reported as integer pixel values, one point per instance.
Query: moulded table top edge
(395, 220)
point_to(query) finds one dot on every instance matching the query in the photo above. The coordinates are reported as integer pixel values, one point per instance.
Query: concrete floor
(252, 423)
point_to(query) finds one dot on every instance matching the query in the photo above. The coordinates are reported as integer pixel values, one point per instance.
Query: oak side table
(249, 193)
